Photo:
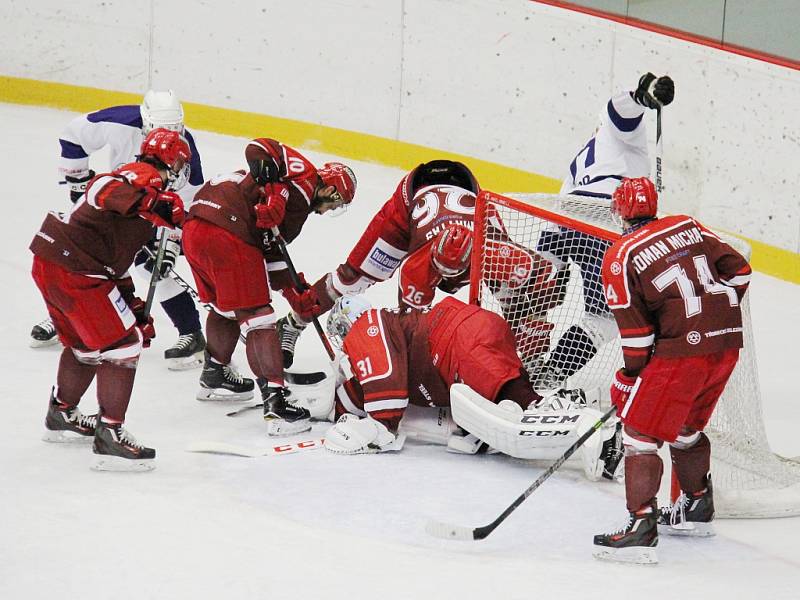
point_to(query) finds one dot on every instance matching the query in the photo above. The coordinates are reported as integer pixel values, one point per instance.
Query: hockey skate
(43, 334)
(289, 331)
(691, 515)
(634, 543)
(67, 425)
(282, 417)
(116, 449)
(187, 352)
(222, 383)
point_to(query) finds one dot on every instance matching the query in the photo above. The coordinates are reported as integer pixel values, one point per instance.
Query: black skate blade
(309, 378)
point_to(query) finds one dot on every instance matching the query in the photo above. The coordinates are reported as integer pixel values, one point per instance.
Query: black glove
(661, 94)
(172, 249)
(264, 171)
(77, 184)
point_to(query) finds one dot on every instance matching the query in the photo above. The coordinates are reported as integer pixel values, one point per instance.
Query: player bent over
(425, 225)
(228, 243)
(121, 129)
(675, 289)
(80, 265)
(400, 357)
(617, 149)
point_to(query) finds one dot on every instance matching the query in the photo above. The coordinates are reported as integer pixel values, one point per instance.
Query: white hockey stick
(253, 452)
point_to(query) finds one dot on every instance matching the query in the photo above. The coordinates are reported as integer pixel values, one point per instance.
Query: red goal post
(544, 296)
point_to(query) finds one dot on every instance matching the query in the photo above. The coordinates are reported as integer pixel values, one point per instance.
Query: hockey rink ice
(313, 525)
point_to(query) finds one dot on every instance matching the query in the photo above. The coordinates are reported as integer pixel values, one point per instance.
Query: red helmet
(635, 199)
(171, 149)
(451, 250)
(341, 177)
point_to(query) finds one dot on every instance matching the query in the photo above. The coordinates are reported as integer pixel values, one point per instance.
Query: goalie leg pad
(432, 425)
(538, 434)
(317, 398)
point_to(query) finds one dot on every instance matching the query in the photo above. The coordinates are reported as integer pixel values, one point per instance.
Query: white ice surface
(315, 525)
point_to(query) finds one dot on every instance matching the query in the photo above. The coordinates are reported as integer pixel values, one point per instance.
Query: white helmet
(161, 109)
(344, 313)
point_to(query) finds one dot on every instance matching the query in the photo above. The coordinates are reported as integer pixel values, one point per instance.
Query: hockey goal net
(538, 266)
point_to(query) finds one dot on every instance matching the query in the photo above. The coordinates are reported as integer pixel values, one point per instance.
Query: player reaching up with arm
(675, 290)
(617, 150)
(80, 266)
(228, 243)
(418, 227)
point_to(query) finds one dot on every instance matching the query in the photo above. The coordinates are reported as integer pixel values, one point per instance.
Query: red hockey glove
(621, 388)
(162, 209)
(270, 212)
(306, 303)
(145, 325)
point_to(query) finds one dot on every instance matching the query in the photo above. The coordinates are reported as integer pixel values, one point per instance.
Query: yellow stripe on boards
(330, 140)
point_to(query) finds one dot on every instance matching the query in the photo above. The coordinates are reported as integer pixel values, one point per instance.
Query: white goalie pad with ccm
(543, 433)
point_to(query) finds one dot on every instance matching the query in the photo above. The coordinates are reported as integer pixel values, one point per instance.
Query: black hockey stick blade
(244, 409)
(455, 532)
(309, 378)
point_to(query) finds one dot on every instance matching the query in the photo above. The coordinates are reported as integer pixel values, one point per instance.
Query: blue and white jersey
(118, 128)
(618, 149)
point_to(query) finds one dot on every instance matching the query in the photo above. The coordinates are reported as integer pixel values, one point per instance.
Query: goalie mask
(161, 109)
(344, 313)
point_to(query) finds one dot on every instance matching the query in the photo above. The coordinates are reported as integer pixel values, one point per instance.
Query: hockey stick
(155, 276)
(659, 153)
(457, 532)
(249, 452)
(300, 287)
(309, 378)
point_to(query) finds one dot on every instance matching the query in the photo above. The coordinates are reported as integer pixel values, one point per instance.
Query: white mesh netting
(540, 268)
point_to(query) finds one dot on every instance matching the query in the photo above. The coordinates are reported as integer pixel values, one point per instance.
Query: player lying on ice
(425, 225)
(454, 354)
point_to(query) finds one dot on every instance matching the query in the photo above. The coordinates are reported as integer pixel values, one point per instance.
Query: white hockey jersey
(119, 128)
(618, 149)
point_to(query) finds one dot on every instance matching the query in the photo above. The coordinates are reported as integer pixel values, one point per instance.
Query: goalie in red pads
(453, 354)
(675, 290)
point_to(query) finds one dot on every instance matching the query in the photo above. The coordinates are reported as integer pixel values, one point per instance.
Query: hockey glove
(305, 303)
(654, 92)
(264, 170)
(172, 249)
(270, 212)
(77, 184)
(145, 325)
(621, 389)
(162, 209)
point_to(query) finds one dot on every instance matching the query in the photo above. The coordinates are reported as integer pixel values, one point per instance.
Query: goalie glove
(352, 435)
